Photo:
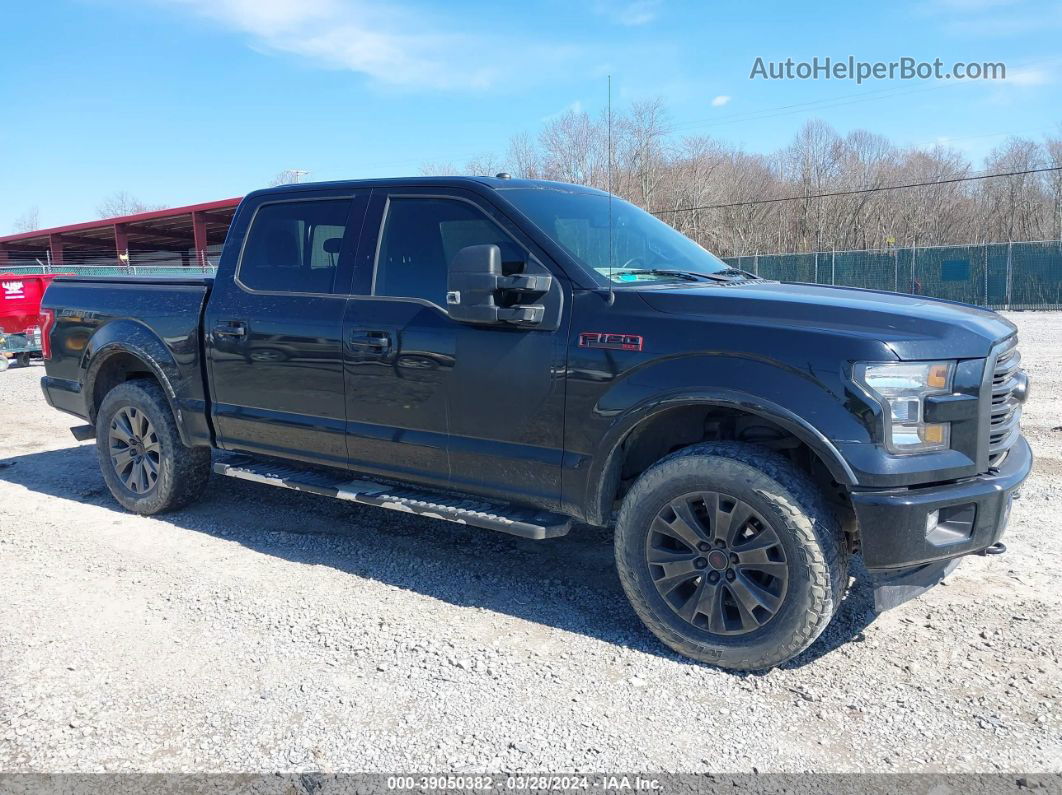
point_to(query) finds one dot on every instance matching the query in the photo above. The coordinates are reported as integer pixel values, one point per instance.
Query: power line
(731, 118)
(856, 191)
(805, 107)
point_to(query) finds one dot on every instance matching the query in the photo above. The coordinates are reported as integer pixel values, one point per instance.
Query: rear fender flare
(136, 340)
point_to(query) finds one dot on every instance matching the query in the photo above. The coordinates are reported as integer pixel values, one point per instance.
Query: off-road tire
(808, 531)
(182, 471)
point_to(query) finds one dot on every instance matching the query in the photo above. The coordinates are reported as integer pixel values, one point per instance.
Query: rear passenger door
(274, 331)
(477, 408)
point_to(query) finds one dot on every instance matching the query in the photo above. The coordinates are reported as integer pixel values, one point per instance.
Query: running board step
(523, 522)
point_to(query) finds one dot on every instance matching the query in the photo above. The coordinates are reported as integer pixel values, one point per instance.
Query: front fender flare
(604, 474)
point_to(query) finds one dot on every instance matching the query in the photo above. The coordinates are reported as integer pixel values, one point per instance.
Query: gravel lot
(264, 630)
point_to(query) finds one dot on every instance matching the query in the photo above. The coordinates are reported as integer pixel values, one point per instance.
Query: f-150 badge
(610, 341)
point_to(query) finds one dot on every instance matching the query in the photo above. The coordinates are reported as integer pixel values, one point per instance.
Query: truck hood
(912, 326)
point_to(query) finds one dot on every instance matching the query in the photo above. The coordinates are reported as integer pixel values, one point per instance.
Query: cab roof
(494, 183)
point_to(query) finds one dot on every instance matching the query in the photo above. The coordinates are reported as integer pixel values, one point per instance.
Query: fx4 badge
(610, 341)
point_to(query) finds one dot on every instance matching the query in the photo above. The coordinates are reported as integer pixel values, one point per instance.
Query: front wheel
(730, 555)
(143, 460)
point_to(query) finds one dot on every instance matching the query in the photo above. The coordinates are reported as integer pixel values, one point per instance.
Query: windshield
(643, 247)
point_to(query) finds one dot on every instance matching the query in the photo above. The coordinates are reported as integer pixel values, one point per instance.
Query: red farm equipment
(22, 325)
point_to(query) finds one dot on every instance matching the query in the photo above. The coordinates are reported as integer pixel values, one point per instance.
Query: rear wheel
(730, 555)
(146, 466)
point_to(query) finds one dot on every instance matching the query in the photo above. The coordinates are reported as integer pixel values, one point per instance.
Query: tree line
(665, 173)
(116, 204)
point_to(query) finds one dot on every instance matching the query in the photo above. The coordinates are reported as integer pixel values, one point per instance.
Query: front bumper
(912, 537)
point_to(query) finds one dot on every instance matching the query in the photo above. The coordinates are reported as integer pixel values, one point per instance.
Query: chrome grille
(1005, 414)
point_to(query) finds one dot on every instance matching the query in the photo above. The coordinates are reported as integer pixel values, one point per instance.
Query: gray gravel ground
(266, 630)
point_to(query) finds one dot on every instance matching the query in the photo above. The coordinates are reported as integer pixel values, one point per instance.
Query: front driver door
(478, 408)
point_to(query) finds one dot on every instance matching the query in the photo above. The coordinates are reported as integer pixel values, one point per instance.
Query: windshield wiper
(737, 272)
(680, 274)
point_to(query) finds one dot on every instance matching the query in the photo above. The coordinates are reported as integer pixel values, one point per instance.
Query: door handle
(230, 328)
(371, 341)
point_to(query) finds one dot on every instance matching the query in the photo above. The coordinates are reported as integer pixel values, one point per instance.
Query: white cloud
(993, 18)
(719, 101)
(571, 107)
(966, 144)
(630, 13)
(1028, 77)
(386, 43)
(972, 5)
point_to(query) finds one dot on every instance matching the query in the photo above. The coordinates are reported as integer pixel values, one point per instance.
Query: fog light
(951, 525)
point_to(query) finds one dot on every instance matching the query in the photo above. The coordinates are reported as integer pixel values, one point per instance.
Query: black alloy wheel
(717, 563)
(135, 450)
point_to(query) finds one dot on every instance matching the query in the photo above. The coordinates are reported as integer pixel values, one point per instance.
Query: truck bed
(123, 279)
(158, 316)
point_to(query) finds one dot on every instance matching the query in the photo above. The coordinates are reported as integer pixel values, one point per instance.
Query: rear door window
(295, 247)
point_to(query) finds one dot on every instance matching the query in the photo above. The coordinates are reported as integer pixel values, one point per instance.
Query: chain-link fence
(113, 270)
(996, 275)
(149, 263)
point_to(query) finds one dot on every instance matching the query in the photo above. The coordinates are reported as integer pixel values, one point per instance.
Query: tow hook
(997, 548)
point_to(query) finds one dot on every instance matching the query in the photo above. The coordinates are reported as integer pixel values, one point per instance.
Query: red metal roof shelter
(188, 231)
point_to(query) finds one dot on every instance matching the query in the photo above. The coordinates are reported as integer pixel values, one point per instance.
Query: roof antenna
(611, 255)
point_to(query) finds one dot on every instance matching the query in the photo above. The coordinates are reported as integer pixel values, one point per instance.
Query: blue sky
(178, 101)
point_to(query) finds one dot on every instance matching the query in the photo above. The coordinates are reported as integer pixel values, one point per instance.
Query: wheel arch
(643, 420)
(121, 351)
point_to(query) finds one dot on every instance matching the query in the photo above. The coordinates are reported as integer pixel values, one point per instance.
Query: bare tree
(289, 176)
(524, 157)
(122, 203)
(1053, 147)
(29, 221)
(1015, 206)
(483, 166)
(443, 169)
(574, 149)
(715, 193)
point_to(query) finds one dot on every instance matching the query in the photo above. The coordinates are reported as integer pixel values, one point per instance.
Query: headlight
(901, 389)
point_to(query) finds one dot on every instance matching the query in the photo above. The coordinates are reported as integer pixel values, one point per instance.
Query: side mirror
(478, 291)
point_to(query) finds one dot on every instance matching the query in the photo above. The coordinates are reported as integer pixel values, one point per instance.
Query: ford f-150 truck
(521, 355)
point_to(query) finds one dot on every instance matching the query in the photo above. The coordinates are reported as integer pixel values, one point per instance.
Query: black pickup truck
(522, 355)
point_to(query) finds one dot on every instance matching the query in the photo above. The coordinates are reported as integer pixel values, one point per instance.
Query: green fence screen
(996, 275)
